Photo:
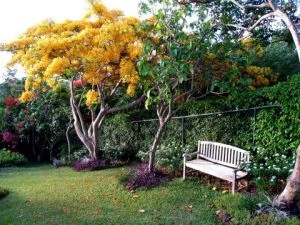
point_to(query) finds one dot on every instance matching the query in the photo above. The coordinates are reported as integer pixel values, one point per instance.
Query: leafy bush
(117, 138)
(3, 192)
(238, 206)
(9, 139)
(9, 158)
(286, 64)
(242, 209)
(170, 155)
(89, 165)
(270, 170)
(140, 177)
(79, 154)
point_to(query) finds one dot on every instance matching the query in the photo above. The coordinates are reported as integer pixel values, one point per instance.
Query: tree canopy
(103, 45)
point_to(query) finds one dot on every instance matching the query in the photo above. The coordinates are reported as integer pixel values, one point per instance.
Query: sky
(18, 15)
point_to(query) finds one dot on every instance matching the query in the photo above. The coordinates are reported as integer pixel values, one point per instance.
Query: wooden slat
(214, 169)
(223, 154)
(229, 156)
(232, 157)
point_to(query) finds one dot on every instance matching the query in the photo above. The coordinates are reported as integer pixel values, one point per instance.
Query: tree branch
(124, 107)
(116, 87)
(75, 109)
(186, 2)
(260, 20)
(236, 26)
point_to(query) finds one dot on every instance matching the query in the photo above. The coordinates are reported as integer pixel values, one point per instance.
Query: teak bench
(219, 160)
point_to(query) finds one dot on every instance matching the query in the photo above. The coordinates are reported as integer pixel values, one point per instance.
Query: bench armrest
(189, 154)
(242, 167)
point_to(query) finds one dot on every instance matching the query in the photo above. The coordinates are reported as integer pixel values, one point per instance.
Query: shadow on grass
(3, 192)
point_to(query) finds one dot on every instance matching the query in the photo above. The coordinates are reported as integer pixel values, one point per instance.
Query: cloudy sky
(18, 15)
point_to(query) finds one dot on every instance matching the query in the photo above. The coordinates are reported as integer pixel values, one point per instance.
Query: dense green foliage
(281, 57)
(9, 158)
(117, 144)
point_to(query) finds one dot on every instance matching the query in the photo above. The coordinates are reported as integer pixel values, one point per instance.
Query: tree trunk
(89, 135)
(292, 28)
(68, 141)
(154, 145)
(290, 196)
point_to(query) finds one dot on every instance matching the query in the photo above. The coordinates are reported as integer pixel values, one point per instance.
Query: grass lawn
(45, 195)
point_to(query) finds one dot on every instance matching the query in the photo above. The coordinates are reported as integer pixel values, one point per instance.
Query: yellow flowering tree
(97, 53)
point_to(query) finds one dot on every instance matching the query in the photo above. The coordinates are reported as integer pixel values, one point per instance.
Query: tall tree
(176, 61)
(99, 51)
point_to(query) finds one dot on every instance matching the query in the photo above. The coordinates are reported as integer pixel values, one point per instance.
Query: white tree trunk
(292, 28)
(90, 137)
(290, 196)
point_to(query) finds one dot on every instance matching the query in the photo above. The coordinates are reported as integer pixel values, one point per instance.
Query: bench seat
(217, 159)
(214, 169)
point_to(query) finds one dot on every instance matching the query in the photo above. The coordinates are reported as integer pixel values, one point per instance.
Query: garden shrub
(140, 177)
(240, 207)
(170, 155)
(3, 192)
(9, 158)
(90, 165)
(80, 153)
(117, 138)
(9, 139)
(243, 209)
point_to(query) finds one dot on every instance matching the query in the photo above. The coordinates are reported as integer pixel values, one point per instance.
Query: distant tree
(10, 87)
(45, 120)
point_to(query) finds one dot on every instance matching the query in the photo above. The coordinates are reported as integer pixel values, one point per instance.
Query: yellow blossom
(131, 89)
(102, 43)
(91, 98)
(127, 70)
(26, 96)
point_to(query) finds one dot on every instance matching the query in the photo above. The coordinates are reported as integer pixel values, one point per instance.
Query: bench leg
(233, 182)
(183, 172)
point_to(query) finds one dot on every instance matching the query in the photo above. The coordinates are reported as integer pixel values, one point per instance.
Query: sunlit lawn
(45, 195)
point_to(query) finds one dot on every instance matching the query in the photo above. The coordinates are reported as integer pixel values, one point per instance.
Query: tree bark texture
(290, 196)
(164, 113)
(89, 135)
(154, 145)
(68, 141)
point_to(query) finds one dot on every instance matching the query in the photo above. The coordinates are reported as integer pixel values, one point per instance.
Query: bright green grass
(45, 195)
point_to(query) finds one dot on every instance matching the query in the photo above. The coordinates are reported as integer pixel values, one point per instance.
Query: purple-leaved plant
(140, 177)
(88, 164)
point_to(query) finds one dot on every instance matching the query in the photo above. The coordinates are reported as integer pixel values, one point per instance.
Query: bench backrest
(223, 154)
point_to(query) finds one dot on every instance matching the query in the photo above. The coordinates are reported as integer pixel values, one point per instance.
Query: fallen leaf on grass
(188, 208)
(66, 210)
(135, 196)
